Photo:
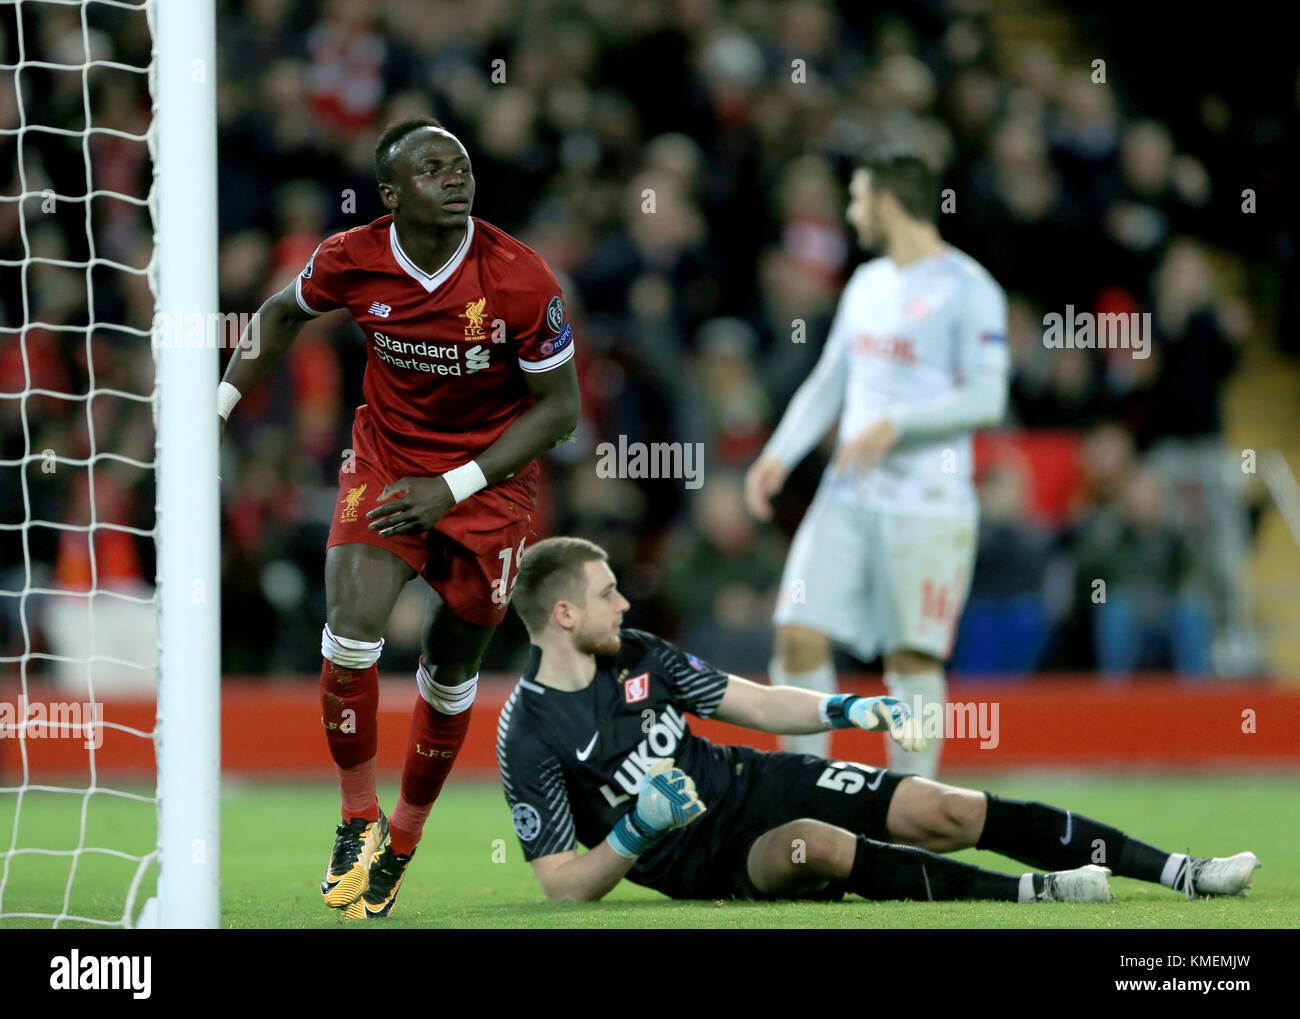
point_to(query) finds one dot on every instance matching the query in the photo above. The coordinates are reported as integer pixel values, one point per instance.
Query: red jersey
(446, 351)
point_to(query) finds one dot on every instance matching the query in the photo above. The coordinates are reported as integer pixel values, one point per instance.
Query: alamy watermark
(958, 720)
(77, 972)
(213, 330)
(684, 460)
(24, 719)
(1085, 330)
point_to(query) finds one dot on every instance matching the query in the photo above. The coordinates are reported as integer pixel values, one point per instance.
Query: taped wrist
(465, 480)
(834, 710)
(630, 838)
(227, 397)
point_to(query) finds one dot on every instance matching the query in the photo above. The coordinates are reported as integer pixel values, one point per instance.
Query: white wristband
(227, 397)
(465, 480)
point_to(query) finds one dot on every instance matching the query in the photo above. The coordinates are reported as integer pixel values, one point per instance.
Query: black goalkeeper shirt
(571, 760)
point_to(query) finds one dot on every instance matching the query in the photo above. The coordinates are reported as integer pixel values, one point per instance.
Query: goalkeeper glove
(666, 799)
(875, 714)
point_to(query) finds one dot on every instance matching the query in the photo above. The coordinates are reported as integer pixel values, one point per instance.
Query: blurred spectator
(1156, 194)
(1019, 210)
(1050, 388)
(1005, 626)
(352, 68)
(726, 406)
(1195, 354)
(1108, 463)
(1136, 572)
(794, 314)
(1012, 550)
(723, 580)
(1183, 420)
(1084, 132)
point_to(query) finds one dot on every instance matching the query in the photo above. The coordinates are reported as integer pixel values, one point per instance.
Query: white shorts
(878, 581)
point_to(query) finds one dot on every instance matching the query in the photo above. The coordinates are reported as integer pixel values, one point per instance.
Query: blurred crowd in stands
(744, 118)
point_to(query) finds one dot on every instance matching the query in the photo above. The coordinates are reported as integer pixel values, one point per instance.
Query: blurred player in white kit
(916, 358)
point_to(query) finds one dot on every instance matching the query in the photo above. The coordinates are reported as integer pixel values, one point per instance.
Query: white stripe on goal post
(189, 567)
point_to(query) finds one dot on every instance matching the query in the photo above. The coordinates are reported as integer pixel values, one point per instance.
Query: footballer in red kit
(447, 357)
(469, 378)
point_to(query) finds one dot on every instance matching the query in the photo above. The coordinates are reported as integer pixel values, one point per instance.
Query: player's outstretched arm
(666, 800)
(268, 336)
(781, 709)
(790, 711)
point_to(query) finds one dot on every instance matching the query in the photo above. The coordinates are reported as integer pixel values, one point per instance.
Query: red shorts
(471, 557)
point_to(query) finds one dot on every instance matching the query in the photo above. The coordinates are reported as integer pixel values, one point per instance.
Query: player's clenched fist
(666, 799)
(875, 714)
(422, 503)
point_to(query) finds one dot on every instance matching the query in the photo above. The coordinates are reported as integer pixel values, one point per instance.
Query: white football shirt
(925, 345)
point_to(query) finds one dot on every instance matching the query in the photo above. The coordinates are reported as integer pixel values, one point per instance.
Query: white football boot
(1218, 875)
(1083, 884)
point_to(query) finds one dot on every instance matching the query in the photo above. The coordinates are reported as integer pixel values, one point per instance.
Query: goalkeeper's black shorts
(707, 859)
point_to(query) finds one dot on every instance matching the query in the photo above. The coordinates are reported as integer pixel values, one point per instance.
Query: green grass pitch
(469, 871)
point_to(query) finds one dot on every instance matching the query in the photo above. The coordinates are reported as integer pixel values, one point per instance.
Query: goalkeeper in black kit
(594, 748)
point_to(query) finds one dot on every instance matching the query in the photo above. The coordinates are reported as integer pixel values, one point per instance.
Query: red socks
(349, 712)
(439, 722)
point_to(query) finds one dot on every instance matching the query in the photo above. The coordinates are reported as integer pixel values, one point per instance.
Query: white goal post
(86, 633)
(189, 564)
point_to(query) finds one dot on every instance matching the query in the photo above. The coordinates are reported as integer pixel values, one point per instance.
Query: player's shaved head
(551, 571)
(390, 144)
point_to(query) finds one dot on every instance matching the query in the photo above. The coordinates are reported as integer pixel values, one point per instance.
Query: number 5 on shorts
(835, 777)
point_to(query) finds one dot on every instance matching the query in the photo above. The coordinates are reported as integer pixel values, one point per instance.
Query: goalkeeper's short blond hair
(551, 571)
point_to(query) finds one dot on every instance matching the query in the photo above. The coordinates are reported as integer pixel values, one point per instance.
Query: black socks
(885, 871)
(1048, 838)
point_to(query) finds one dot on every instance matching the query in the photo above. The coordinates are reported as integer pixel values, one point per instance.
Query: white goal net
(90, 419)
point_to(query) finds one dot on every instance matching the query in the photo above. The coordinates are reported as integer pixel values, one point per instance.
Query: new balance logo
(381, 310)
